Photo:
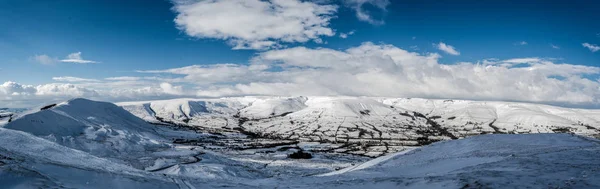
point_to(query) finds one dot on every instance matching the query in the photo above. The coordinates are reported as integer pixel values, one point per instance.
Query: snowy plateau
(299, 142)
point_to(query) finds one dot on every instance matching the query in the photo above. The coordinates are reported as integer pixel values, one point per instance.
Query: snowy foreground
(245, 143)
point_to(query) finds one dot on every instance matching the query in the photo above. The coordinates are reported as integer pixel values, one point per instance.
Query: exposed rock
(300, 155)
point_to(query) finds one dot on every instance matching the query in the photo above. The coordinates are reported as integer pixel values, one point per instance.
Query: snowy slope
(373, 125)
(485, 161)
(27, 161)
(99, 128)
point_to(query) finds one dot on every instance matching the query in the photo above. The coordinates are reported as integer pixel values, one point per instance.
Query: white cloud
(10, 88)
(64, 89)
(73, 79)
(522, 60)
(521, 43)
(364, 15)
(123, 78)
(345, 35)
(212, 74)
(366, 70)
(255, 24)
(44, 59)
(170, 89)
(447, 48)
(509, 63)
(14, 89)
(554, 46)
(14, 94)
(76, 58)
(592, 47)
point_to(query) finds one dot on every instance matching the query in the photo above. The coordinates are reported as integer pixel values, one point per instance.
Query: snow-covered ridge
(382, 123)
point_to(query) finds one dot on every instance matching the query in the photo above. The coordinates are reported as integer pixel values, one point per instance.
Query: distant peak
(86, 103)
(76, 100)
(81, 101)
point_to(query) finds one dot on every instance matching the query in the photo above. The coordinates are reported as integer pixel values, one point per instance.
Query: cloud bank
(366, 70)
(14, 94)
(385, 70)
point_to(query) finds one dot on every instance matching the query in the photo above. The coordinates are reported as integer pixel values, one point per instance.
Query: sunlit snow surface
(88, 144)
(485, 161)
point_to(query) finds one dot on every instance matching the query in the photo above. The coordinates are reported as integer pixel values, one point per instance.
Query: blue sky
(123, 35)
(126, 36)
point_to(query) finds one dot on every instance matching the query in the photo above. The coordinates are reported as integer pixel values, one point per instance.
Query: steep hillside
(101, 129)
(209, 113)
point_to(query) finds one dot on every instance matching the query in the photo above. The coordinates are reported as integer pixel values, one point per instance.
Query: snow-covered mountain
(370, 126)
(88, 144)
